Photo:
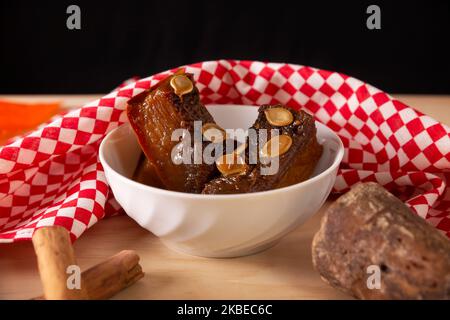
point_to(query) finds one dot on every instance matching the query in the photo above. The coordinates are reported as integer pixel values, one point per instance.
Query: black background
(38, 54)
(282, 309)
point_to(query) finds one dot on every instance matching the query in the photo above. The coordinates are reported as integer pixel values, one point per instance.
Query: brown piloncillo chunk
(369, 226)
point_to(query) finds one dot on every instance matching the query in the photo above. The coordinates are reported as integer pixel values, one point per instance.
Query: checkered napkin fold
(53, 176)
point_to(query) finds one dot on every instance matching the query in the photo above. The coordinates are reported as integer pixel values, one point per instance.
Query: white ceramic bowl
(218, 225)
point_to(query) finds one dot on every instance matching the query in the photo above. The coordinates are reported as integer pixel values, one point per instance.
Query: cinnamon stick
(111, 276)
(54, 255)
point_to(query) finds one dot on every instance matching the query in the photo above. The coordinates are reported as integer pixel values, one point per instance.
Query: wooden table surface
(284, 271)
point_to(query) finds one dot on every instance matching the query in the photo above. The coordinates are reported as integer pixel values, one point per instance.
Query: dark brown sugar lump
(368, 230)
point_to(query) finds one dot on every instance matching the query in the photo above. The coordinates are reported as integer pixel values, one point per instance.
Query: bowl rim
(337, 160)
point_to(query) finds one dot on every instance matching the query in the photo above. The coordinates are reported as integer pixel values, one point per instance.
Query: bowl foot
(228, 253)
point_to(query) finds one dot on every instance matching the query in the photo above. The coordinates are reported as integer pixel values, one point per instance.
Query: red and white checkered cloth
(53, 175)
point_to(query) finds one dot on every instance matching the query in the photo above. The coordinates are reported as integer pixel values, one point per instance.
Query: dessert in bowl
(220, 208)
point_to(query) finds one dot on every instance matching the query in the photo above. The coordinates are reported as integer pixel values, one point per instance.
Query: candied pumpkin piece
(145, 173)
(296, 147)
(155, 114)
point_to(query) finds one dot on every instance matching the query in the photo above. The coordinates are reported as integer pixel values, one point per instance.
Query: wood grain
(283, 272)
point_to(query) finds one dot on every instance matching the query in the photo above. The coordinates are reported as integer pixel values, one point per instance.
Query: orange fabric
(17, 118)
